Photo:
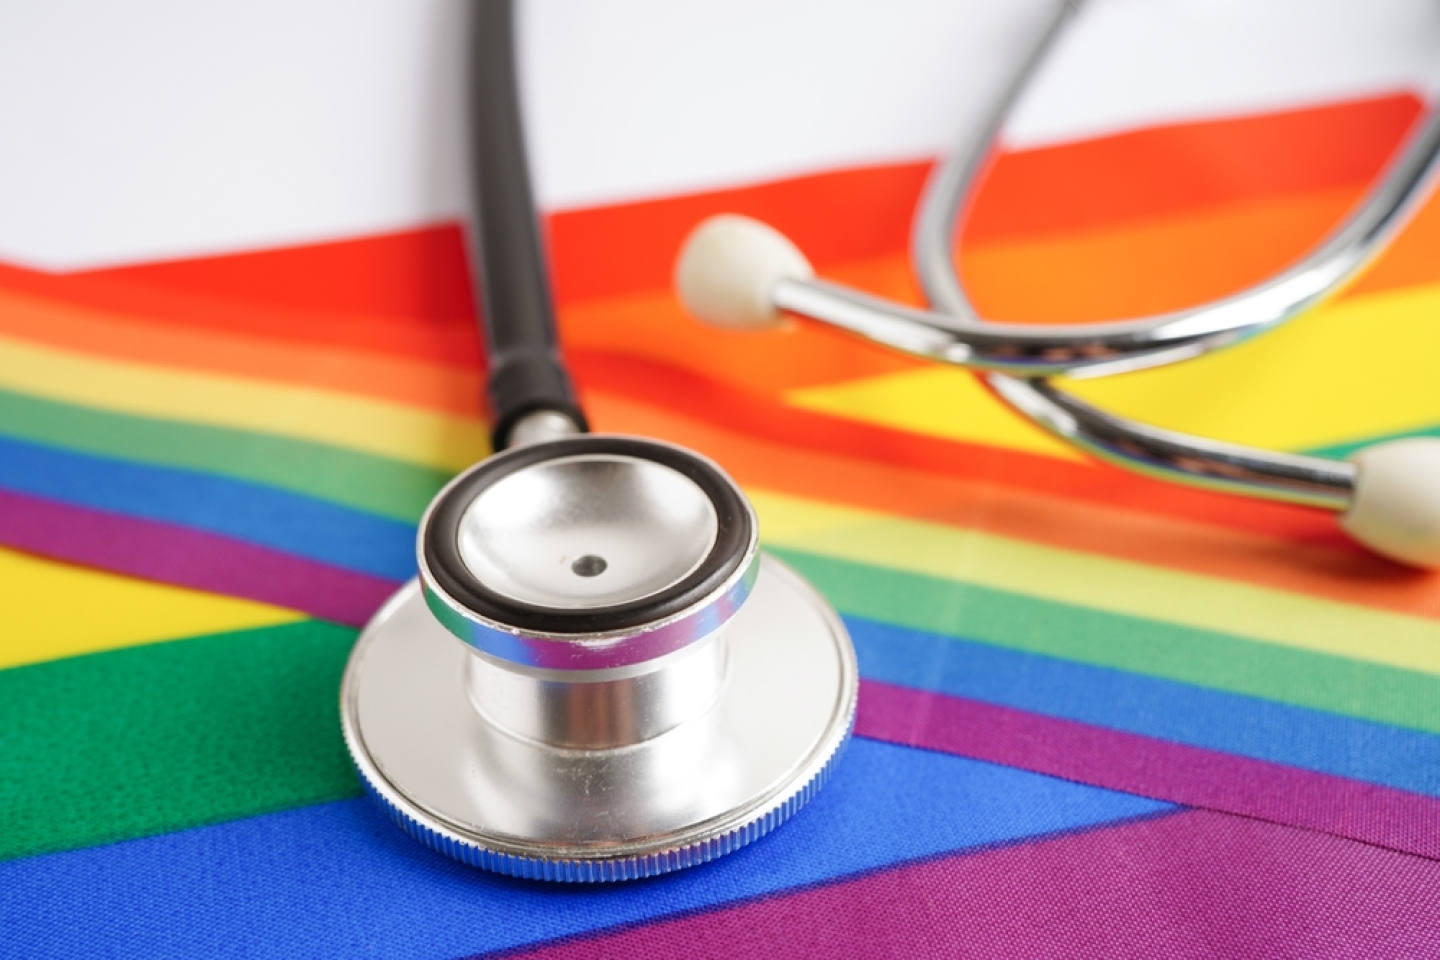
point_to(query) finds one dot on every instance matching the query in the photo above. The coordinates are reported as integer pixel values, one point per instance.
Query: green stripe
(1342, 450)
(1154, 648)
(247, 722)
(360, 480)
(151, 739)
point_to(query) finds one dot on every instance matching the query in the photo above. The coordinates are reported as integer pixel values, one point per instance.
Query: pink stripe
(1192, 884)
(1192, 776)
(189, 558)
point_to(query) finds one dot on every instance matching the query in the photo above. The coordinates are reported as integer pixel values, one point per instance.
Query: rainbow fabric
(1099, 716)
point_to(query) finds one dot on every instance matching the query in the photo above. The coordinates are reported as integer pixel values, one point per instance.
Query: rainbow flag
(1099, 715)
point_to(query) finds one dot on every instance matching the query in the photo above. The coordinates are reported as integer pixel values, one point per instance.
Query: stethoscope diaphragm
(596, 676)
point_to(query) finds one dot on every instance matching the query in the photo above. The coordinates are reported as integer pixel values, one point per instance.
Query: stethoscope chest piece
(596, 676)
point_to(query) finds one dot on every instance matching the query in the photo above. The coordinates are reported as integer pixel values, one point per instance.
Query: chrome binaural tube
(1166, 454)
(1027, 350)
(956, 333)
(1102, 348)
(739, 274)
(1179, 457)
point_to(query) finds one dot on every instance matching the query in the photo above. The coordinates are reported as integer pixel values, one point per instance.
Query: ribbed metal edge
(591, 869)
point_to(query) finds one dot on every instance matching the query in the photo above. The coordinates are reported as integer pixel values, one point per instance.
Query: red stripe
(1025, 496)
(408, 293)
(1166, 170)
(1160, 769)
(845, 215)
(409, 275)
(404, 294)
(1193, 884)
(188, 558)
(739, 426)
(859, 214)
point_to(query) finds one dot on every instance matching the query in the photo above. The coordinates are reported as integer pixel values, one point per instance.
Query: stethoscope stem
(541, 426)
(596, 675)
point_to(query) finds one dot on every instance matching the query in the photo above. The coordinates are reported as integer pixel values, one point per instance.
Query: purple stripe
(189, 558)
(1193, 884)
(1160, 769)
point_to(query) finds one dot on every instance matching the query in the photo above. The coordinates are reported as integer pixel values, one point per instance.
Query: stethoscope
(740, 274)
(596, 675)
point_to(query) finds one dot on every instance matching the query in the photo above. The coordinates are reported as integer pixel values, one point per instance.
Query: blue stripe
(1330, 743)
(351, 539)
(289, 522)
(340, 880)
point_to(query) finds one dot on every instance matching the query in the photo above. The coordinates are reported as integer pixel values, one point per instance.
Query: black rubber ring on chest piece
(440, 540)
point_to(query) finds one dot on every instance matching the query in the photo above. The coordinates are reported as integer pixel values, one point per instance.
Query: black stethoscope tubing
(525, 373)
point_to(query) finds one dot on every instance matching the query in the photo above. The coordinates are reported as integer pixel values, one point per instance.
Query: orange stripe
(429, 386)
(1410, 259)
(654, 327)
(1313, 569)
(1103, 274)
(770, 421)
(1146, 268)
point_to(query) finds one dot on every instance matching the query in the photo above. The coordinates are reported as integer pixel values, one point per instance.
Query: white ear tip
(728, 267)
(1396, 508)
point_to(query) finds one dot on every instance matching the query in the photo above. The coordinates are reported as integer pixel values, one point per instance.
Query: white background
(169, 128)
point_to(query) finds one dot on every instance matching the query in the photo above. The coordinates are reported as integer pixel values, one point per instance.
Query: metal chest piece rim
(631, 750)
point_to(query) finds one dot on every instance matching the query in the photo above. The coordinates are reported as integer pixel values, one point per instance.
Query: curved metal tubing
(1027, 350)
(1169, 455)
(958, 334)
(1178, 457)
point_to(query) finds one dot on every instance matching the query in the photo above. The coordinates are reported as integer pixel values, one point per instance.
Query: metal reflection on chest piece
(596, 676)
(586, 531)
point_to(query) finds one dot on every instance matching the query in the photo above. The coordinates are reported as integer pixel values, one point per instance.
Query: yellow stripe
(1087, 580)
(1359, 368)
(56, 610)
(213, 399)
(938, 402)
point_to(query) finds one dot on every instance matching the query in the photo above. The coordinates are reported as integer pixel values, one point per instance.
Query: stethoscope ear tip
(1395, 510)
(728, 268)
